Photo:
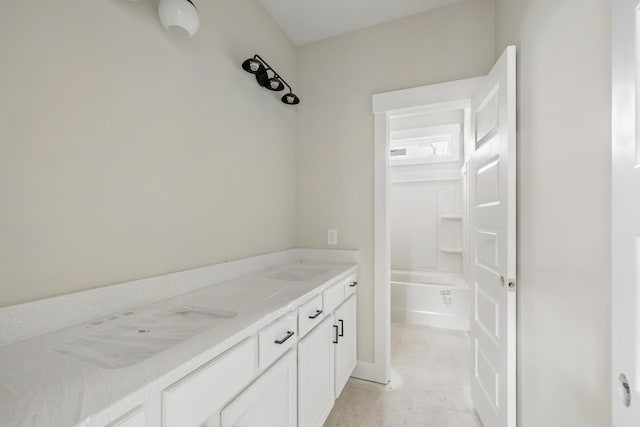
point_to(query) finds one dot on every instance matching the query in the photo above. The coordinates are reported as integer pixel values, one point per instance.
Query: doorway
(429, 293)
(428, 218)
(484, 246)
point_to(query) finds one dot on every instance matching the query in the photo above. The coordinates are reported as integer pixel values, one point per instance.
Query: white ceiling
(306, 21)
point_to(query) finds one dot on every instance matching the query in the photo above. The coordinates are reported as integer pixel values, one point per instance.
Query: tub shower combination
(428, 253)
(430, 299)
(428, 219)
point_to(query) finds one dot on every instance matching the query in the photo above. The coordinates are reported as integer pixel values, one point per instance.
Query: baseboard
(369, 371)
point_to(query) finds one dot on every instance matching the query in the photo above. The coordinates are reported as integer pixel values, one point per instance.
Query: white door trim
(625, 209)
(443, 96)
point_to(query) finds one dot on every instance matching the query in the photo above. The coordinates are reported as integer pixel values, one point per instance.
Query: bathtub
(430, 299)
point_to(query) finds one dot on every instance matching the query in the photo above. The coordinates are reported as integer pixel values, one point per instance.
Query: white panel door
(492, 215)
(346, 347)
(626, 215)
(271, 401)
(315, 374)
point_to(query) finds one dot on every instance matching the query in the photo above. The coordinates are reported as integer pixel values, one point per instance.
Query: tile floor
(429, 386)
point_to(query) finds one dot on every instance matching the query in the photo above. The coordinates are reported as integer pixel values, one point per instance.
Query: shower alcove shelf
(457, 220)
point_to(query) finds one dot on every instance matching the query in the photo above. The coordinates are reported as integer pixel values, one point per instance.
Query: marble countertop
(41, 387)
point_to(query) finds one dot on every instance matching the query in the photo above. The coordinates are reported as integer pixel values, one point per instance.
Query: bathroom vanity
(270, 348)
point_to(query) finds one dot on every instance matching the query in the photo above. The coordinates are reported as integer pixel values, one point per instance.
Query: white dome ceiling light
(179, 17)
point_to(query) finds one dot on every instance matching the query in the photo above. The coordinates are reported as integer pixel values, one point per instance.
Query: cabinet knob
(353, 285)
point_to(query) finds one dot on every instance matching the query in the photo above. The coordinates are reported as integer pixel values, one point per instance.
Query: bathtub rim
(451, 280)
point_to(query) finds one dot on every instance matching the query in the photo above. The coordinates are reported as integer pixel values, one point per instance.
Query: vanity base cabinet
(346, 348)
(288, 374)
(315, 374)
(270, 401)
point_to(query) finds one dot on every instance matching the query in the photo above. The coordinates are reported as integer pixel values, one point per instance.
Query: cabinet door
(346, 349)
(270, 401)
(315, 374)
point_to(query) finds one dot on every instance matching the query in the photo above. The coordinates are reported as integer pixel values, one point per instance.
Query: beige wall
(564, 203)
(126, 153)
(337, 78)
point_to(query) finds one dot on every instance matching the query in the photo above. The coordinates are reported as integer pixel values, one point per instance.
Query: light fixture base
(179, 17)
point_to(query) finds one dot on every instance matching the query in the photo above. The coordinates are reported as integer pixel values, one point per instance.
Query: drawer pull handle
(336, 340)
(353, 285)
(315, 316)
(341, 327)
(289, 335)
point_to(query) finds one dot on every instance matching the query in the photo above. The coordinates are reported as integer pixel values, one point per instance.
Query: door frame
(439, 97)
(625, 121)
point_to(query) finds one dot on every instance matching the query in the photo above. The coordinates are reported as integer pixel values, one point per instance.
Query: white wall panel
(126, 153)
(419, 233)
(564, 194)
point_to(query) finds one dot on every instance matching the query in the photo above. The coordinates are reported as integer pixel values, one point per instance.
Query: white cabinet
(346, 348)
(350, 285)
(305, 358)
(201, 395)
(327, 354)
(270, 401)
(333, 297)
(310, 315)
(277, 338)
(134, 418)
(315, 375)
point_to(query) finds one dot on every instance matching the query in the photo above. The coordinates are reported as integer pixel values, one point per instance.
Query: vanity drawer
(309, 315)
(333, 297)
(196, 397)
(277, 338)
(135, 418)
(351, 284)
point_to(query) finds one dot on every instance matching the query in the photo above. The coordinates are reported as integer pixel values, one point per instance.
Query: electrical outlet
(332, 237)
